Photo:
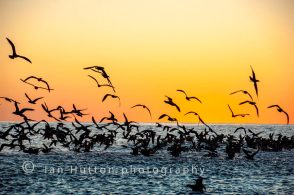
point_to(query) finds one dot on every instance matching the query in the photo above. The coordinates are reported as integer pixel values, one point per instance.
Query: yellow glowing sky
(150, 49)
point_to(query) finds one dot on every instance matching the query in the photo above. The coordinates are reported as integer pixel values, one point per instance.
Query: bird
(100, 70)
(34, 100)
(101, 85)
(110, 95)
(236, 115)
(168, 118)
(198, 186)
(243, 91)
(14, 54)
(39, 80)
(143, 106)
(111, 118)
(189, 98)
(279, 109)
(254, 80)
(250, 155)
(251, 103)
(170, 102)
(22, 111)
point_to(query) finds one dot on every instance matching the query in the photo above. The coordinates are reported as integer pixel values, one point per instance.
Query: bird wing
(244, 102)
(86, 68)
(231, 110)
(30, 77)
(191, 112)
(178, 108)
(28, 97)
(248, 94)
(256, 88)
(287, 116)
(193, 97)
(274, 106)
(137, 105)
(25, 58)
(12, 46)
(162, 116)
(148, 111)
(46, 83)
(94, 79)
(180, 90)
(104, 98)
(38, 99)
(256, 109)
(235, 92)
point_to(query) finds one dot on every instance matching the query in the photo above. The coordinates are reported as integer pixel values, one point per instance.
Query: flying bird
(170, 102)
(32, 101)
(189, 98)
(39, 80)
(254, 80)
(143, 106)
(168, 118)
(251, 103)
(243, 91)
(110, 95)
(100, 69)
(279, 109)
(236, 115)
(22, 111)
(14, 54)
(101, 85)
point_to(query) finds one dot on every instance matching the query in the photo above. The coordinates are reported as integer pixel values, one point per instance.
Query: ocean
(116, 171)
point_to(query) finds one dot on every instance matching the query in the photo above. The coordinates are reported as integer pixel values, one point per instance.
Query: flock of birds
(174, 138)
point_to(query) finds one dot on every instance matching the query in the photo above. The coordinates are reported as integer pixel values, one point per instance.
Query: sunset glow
(150, 49)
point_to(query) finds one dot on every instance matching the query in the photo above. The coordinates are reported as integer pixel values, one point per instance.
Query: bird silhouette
(251, 103)
(22, 111)
(143, 106)
(189, 98)
(243, 91)
(236, 115)
(110, 95)
(32, 101)
(279, 109)
(101, 85)
(111, 118)
(168, 118)
(101, 70)
(14, 54)
(170, 102)
(39, 80)
(254, 80)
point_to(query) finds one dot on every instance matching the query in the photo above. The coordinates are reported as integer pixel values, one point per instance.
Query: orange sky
(150, 49)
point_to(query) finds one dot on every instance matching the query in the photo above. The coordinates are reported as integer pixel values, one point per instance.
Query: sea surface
(116, 171)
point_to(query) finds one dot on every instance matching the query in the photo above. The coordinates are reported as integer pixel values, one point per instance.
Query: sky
(150, 49)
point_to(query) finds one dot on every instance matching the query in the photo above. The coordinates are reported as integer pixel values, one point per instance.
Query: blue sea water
(116, 171)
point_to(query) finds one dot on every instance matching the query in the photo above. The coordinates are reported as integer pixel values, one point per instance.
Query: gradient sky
(150, 49)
